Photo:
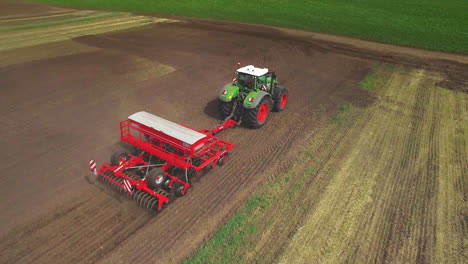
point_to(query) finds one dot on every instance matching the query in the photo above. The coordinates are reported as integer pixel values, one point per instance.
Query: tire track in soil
(426, 239)
(400, 203)
(387, 185)
(368, 251)
(459, 217)
(97, 217)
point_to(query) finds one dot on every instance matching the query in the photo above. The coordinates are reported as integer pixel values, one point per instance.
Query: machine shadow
(211, 109)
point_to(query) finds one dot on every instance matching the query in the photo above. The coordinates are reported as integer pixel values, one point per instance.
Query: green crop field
(427, 24)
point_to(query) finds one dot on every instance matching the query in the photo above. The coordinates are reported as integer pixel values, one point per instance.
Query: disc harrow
(162, 149)
(145, 199)
(108, 180)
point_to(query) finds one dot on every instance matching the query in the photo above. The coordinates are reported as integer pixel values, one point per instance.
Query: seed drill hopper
(164, 159)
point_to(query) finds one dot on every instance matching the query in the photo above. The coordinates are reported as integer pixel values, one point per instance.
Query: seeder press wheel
(147, 200)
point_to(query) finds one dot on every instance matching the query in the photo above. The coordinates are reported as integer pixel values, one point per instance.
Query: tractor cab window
(263, 82)
(245, 80)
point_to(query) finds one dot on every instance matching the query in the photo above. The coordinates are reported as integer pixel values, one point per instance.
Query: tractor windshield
(245, 80)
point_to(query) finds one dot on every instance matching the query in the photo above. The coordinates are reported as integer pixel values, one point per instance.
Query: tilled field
(61, 101)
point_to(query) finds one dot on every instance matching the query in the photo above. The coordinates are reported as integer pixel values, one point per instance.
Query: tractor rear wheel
(155, 178)
(257, 117)
(281, 99)
(225, 108)
(117, 155)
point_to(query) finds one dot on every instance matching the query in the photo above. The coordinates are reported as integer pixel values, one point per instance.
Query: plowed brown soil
(60, 111)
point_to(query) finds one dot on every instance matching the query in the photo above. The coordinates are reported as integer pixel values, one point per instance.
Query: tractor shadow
(211, 109)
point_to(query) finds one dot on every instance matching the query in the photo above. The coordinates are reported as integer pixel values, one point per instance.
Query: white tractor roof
(252, 70)
(167, 127)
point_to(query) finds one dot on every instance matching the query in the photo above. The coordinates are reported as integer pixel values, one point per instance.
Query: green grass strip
(232, 234)
(369, 82)
(339, 117)
(428, 24)
(59, 22)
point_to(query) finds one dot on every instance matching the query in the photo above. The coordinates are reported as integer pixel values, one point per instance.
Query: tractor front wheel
(257, 117)
(225, 108)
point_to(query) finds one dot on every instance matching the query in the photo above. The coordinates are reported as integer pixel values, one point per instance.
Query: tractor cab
(250, 77)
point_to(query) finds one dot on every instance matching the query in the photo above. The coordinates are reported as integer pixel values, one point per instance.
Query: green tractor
(253, 93)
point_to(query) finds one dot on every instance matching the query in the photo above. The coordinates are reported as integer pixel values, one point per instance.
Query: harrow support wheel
(156, 178)
(178, 189)
(222, 159)
(117, 155)
(257, 117)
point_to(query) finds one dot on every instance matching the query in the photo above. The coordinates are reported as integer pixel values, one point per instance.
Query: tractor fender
(257, 95)
(228, 92)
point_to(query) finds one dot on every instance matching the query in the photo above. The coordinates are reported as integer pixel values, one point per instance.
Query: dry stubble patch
(56, 31)
(398, 195)
(42, 52)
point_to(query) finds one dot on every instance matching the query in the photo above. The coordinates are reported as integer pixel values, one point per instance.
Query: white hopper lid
(167, 127)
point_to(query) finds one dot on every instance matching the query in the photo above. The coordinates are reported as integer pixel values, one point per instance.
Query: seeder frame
(173, 152)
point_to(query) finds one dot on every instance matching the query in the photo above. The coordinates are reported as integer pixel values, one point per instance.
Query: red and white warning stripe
(127, 186)
(92, 166)
(264, 87)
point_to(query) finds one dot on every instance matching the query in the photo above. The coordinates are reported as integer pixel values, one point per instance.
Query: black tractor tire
(280, 99)
(117, 154)
(251, 116)
(156, 178)
(225, 108)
